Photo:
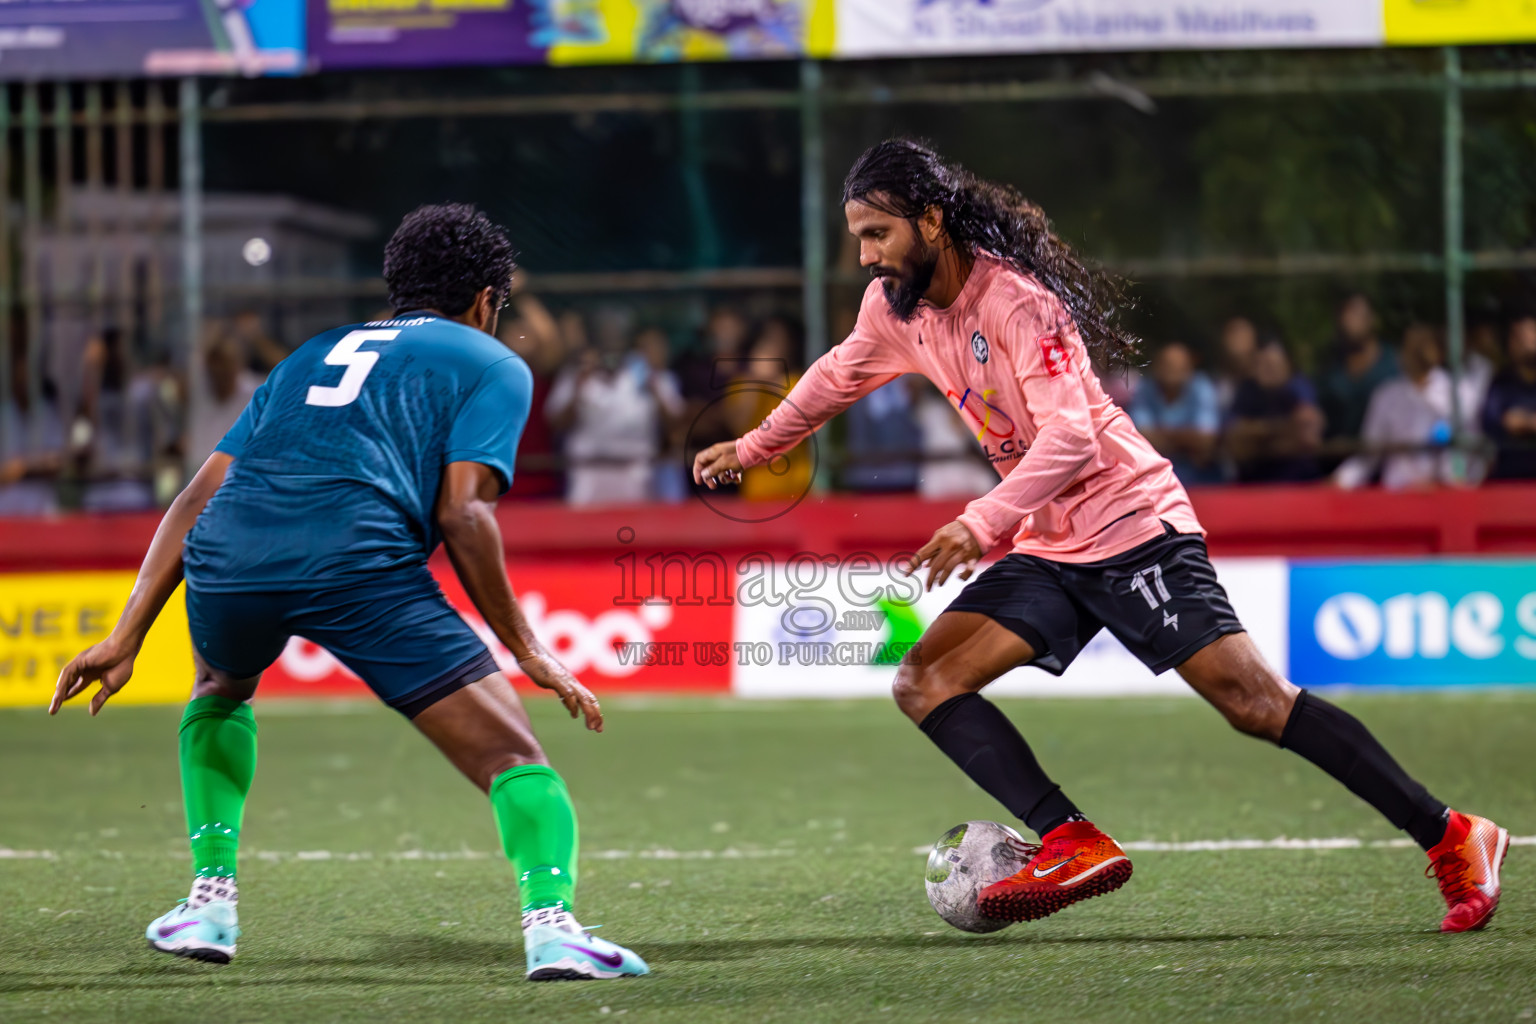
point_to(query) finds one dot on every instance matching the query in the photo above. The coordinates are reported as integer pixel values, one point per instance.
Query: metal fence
(135, 211)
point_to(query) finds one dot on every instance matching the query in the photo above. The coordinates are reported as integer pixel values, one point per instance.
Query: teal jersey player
(314, 517)
(339, 455)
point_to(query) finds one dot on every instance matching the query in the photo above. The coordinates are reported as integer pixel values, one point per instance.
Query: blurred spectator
(111, 435)
(1482, 356)
(1239, 342)
(771, 368)
(883, 441)
(1509, 415)
(953, 466)
(1120, 383)
(529, 330)
(652, 353)
(1276, 427)
(31, 442)
(1408, 424)
(1361, 365)
(227, 387)
(257, 349)
(705, 371)
(1176, 410)
(611, 412)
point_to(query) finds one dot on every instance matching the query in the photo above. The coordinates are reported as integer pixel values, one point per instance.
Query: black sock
(1340, 745)
(980, 739)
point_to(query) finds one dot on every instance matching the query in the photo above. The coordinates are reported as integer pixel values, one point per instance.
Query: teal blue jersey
(339, 455)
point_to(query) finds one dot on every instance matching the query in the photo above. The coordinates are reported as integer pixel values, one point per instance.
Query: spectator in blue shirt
(1177, 410)
(884, 440)
(1276, 427)
(1509, 414)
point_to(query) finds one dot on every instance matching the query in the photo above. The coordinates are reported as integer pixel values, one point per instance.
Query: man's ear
(485, 309)
(931, 224)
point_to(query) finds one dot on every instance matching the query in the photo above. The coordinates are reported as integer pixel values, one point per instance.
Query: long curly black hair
(441, 257)
(904, 177)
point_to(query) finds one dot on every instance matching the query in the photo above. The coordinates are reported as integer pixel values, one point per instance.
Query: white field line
(756, 853)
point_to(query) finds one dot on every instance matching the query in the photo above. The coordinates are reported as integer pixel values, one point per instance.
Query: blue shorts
(397, 632)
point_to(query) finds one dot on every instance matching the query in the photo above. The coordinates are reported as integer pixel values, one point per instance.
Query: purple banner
(423, 33)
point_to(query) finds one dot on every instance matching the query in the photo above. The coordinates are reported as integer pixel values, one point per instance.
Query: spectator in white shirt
(612, 411)
(227, 388)
(1408, 422)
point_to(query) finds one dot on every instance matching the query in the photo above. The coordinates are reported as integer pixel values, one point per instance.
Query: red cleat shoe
(1076, 861)
(1466, 864)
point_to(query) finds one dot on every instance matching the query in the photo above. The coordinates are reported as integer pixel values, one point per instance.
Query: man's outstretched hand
(110, 663)
(546, 671)
(952, 547)
(717, 465)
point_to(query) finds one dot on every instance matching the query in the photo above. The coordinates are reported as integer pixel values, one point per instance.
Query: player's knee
(493, 767)
(918, 690)
(208, 686)
(1250, 710)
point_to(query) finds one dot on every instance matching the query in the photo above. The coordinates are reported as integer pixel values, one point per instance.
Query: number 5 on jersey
(359, 365)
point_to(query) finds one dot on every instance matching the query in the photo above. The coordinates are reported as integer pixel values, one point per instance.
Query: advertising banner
(48, 618)
(131, 38)
(836, 626)
(1450, 22)
(609, 637)
(423, 33)
(890, 28)
(1441, 623)
(628, 31)
(820, 638)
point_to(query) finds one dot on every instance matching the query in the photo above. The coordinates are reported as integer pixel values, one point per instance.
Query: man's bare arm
(111, 661)
(466, 515)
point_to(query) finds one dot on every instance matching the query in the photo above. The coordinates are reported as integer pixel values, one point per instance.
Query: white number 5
(358, 364)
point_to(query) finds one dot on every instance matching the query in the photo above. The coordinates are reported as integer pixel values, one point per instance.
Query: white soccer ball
(966, 860)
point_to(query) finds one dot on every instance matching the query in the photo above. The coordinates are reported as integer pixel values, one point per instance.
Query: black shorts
(1160, 599)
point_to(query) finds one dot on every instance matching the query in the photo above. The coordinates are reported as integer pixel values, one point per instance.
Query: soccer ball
(966, 860)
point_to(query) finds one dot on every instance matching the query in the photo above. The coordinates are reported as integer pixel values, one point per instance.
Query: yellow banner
(48, 618)
(1447, 22)
(629, 31)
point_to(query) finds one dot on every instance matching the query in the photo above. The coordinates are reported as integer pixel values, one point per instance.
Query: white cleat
(206, 933)
(558, 949)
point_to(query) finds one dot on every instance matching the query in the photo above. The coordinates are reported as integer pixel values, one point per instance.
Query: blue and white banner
(1431, 623)
(890, 28)
(1380, 624)
(822, 627)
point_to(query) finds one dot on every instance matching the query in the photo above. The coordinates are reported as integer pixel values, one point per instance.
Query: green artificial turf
(761, 856)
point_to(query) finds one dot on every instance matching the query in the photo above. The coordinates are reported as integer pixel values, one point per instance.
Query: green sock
(538, 833)
(218, 760)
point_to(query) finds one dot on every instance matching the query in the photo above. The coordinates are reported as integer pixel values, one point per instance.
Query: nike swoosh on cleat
(167, 932)
(609, 959)
(1059, 865)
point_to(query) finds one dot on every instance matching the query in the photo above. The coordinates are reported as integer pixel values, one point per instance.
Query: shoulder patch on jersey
(979, 347)
(1057, 360)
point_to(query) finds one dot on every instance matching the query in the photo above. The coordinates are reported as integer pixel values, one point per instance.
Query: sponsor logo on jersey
(1057, 360)
(414, 321)
(996, 430)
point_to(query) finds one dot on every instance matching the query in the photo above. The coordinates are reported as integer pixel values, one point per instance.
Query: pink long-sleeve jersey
(1079, 483)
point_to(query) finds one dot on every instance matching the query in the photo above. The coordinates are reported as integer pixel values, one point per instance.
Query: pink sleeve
(846, 373)
(1047, 354)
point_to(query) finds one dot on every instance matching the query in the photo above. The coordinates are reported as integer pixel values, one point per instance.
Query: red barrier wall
(1297, 521)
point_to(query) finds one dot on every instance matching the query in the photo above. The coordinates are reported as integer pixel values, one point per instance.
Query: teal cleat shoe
(559, 949)
(207, 933)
